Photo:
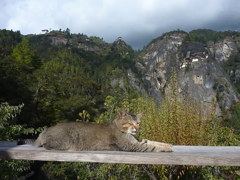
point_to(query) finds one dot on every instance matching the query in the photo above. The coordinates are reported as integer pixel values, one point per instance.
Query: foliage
(62, 91)
(176, 121)
(84, 116)
(232, 67)
(207, 35)
(12, 79)
(22, 53)
(8, 40)
(25, 56)
(11, 169)
(94, 171)
(70, 83)
(8, 130)
(180, 120)
(232, 117)
(202, 35)
(8, 112)
(113, 104)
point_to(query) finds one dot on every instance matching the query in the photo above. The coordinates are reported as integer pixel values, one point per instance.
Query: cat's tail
(40, 141)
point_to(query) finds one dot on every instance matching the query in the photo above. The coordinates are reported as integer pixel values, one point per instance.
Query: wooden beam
(182, 155)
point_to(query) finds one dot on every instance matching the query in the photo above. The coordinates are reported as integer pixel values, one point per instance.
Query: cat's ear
(122, 113)
(139, 116)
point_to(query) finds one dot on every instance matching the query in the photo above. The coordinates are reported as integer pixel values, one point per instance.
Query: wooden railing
(182, 155)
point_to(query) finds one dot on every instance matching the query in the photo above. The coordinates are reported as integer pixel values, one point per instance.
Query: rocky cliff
(200, 68)
(207, 63)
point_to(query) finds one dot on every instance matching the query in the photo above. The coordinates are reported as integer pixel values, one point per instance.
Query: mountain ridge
(206, 63)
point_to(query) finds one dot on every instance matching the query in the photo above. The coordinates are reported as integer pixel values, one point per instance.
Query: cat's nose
(134, 132)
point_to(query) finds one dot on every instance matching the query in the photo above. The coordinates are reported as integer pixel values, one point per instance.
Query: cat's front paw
(163, 148)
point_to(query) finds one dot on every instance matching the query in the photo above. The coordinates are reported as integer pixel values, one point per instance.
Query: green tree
(26, 58)
(68, 33)
(8, 40)
(62, 91)
(14, 82)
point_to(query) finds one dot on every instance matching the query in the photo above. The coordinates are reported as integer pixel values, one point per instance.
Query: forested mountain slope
(187, 85)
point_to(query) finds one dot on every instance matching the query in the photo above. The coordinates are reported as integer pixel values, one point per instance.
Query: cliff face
(199, 67)
(157, 61)
(207, 71)
(222, 50)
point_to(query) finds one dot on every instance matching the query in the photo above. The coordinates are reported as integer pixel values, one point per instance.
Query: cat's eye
(126, 125)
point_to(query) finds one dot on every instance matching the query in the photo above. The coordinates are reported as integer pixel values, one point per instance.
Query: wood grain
(182, 155)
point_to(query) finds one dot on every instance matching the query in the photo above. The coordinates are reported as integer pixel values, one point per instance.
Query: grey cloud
(137, 21)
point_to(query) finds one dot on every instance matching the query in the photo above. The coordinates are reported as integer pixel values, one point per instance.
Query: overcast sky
(136, 21)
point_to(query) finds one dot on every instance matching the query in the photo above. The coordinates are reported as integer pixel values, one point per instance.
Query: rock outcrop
(157, 61)
(199, 67)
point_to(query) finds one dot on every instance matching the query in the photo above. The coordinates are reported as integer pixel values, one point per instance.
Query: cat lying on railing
(117, 136)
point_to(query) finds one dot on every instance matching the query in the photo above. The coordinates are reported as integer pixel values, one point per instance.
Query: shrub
(11, 169)
(180, 121)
